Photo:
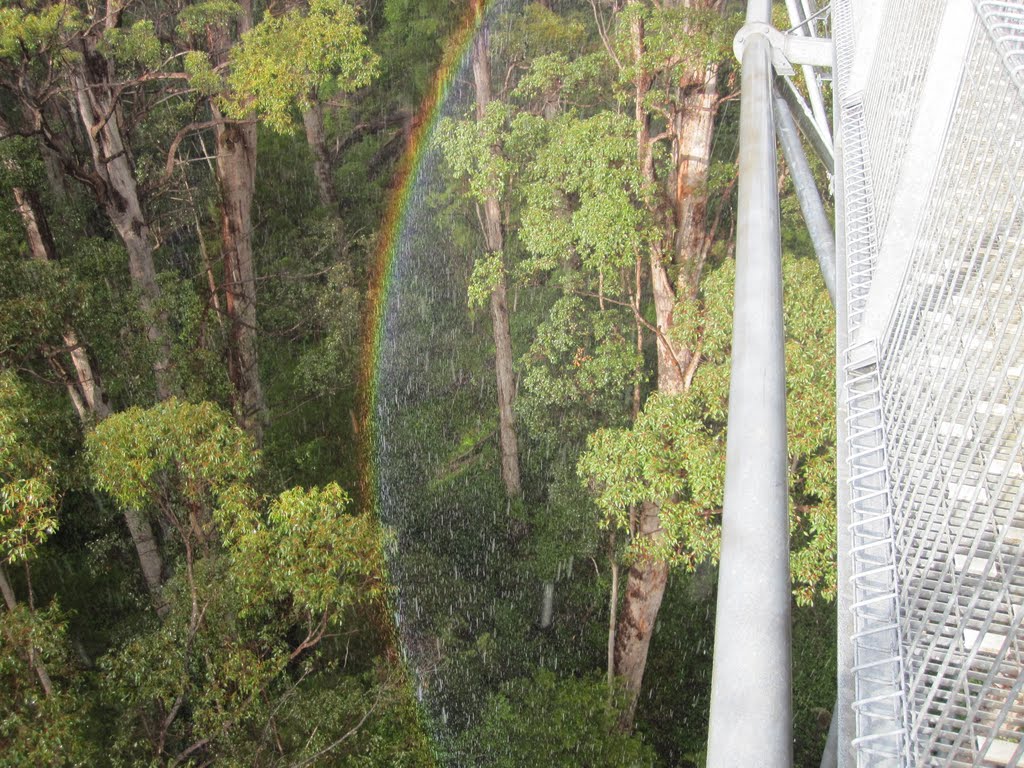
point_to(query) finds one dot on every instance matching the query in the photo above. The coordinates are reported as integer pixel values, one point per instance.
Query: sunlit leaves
(249, 602)
(28, 501)
(311, 551)
(25, 33)
(201, 73)
(27, 517)
(674, 454)
(472, 150)
(284, 59)
(585, 194)
(569, 82)
(488, 272)
(680, 41)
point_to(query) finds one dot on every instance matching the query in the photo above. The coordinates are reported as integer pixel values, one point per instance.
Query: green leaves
(584, 195)
(198, 442)
(674, 454)
(194, 19)
(284, 59)
(563, 723)
(27, 33)
(138, 44)
(310, 552)
(28, 500)
(472, 149)
(680, 41)
(579, 367)
(27, 517)
(201, 73)
(37, 729)
(488, 271)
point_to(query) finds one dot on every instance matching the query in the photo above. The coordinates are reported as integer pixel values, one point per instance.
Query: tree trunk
(648, 578)
(34, 661)
(88, 396)
(86, 392)
(547, 605)
(5, 588)
(613, 609)
(494, 242)
(236, 174)
(694, 129)
(150, 560)
(313, 120)
(118, 193)
(645, 588)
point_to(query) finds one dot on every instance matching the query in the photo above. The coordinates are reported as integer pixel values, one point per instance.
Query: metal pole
(821, 144)
(820, 228)
(751, 685)
(796, 16)
(830, 756)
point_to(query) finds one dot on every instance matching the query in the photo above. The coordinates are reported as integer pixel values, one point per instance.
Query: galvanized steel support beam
(751, 696)
(823, 236)
(820, 143)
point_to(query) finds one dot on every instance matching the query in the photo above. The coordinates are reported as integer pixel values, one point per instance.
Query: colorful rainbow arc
(396, 214)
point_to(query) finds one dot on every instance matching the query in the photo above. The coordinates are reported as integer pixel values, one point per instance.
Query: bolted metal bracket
(787, 49)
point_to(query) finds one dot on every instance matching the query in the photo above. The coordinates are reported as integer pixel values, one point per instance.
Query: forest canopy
(364, 378)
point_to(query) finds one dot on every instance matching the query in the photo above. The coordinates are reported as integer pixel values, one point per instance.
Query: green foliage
(411, 46)
(28, 500)
(136, 45)
(578, 372)
(585, 196)
(472, 151)
(248, 617)
(488, 272)
(328, 366)
(37, 729)
(538, 31)
(563, 723)
(27, 32)
(270, 653)
(680, 42)
(310, 552)
(201, 73)
(194, 19)
(28, 291)
(284, 59)
(674, 454)
(132, 452)
(576, 82)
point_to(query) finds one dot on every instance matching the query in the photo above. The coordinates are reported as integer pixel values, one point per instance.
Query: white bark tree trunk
(236, 174)
(313, 121)
(494, 242)
(118, 193)
(86, 392)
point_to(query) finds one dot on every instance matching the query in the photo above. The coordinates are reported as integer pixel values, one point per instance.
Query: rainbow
(456, 52)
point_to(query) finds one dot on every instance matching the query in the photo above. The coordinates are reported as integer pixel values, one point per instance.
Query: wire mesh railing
(942, 360)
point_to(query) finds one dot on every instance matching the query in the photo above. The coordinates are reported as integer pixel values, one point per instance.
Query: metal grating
(1005, 24)
(946, 382)
(879, 703)
(892, 99)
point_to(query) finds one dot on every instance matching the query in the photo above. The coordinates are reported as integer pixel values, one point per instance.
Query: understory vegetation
(337, 428)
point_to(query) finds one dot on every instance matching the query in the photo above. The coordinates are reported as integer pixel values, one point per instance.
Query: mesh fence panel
(950, 393)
